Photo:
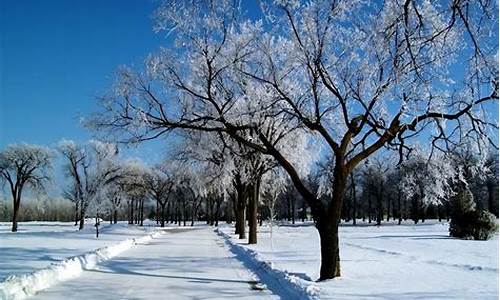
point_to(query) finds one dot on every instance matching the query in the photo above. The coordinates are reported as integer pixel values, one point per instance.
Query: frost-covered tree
(426, 181)
(23, 165)
(91, 168)
(491, 183)
(134, 189)
(76, 164)
(160, 183)
(354, 76)
(273, 185)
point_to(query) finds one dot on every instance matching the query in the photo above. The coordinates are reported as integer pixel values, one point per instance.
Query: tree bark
(76, 212)
(157, 213)
(252, 209)
(380, 209)
(491, 199)
(388, 207)
(131, 212)
(330, 258)
(369, 208)
(82, 218)
(115, 216)
(400, 212)
(17, 202)
(162, 217)
(142, 213)
(327, 223)
(97, 225)
(240, 211)
(217, 212)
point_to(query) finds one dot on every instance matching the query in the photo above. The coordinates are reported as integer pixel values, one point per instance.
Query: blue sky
(57, 55)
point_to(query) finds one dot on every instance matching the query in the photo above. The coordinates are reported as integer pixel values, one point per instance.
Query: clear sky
(57, 55)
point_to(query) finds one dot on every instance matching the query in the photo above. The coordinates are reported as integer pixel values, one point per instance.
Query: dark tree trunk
(327, 223)
(330, 258)
(169, 213)
(369, 208)
(178, 215)
(142, 213)
(17, 203)
(491, 199)
(157, 213)
(115, 216)
(130, 211)
(137, 211)
(97, 223)
(293, 209)
(394, 212)
(379, 207)
(388, 208)
(211, 214)
(184, 213)
(252, 211)
(289, 208)
(304, 211)
(162, 217)
(76, 212)
(217, 213)
(82, 218)
(240, 210)
(400, 213)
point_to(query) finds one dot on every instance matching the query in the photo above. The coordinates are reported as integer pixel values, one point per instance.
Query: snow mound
(22, 286)
(296, 287)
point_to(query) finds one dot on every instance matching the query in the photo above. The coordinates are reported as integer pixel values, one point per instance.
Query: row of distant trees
(41, 208)
(172, 192)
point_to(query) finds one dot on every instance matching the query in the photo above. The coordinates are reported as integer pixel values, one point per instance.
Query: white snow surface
(183, 263)
(25, 285)
(388, 262)
(38, 244)
(294, 286)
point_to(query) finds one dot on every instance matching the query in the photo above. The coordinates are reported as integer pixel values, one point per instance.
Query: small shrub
(468, 222)
(475, 224)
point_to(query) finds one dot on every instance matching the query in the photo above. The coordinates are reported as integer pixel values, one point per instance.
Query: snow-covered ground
(387, 262)
(183, 263)
(38, 244)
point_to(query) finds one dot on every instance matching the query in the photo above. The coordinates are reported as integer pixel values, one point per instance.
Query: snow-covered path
(184, 263)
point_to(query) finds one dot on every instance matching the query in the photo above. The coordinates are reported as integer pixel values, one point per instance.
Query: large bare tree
(23, 166)
(353, 76)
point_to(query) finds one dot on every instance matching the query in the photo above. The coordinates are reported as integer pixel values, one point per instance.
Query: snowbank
(296, 287)
(22, 286)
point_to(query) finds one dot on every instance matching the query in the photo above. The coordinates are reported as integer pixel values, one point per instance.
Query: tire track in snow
(412, 258)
